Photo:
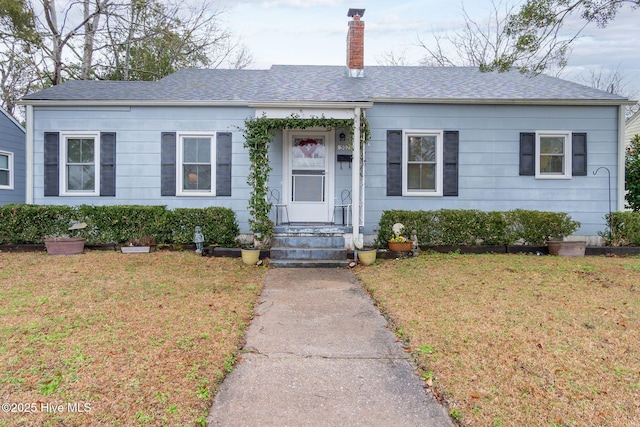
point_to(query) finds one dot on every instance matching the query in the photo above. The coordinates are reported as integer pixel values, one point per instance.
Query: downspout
(620, 193)
(29, 180)
(355, 180)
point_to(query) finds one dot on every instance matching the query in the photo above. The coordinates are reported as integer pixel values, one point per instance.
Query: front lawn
(517, 340)
(110, 339)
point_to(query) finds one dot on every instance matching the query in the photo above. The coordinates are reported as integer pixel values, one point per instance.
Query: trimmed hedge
(447, 227)
(625, 229)
(28, 224)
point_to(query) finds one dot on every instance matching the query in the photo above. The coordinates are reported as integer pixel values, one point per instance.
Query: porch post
(355, 180)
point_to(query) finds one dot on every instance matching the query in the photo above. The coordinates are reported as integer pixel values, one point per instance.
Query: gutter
(320, 104)
(506, 101)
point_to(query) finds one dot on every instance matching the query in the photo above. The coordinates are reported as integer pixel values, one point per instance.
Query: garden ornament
(198, 239)
(415, 251)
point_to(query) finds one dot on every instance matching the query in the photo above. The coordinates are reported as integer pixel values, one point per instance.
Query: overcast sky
(313, 32)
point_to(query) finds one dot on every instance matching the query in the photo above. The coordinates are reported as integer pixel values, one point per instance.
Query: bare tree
(487, 42)
(149, 39)
(394, 58)
(535, 30)
(45, 42)
(60, 35)
(16, 75)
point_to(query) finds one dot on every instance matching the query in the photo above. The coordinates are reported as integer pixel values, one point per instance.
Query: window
(6, 170)
(422, 157)
(553, 159)
(80, 155)
(196, 154)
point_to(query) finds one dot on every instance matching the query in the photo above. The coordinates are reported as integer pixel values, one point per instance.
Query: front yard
(503, 340)
(110, 339)
(516, 340)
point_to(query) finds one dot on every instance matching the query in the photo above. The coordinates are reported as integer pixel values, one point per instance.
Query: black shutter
(528, 153)
(108, 164)
(168, 167)
(223, 164)
(394, 163)
(579, 153)
(51, 163)
(450, 154)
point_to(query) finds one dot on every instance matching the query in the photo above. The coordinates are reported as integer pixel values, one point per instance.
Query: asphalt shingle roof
(307, 83)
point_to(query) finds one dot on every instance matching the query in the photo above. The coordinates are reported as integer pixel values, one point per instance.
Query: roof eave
(131, 103)
(194, 103)
(12, 120)
(312, 104)
(505, 101)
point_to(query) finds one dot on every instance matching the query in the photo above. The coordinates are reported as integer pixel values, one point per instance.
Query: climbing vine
(258, 133)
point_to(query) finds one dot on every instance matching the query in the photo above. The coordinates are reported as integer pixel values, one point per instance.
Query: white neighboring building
(632, 127)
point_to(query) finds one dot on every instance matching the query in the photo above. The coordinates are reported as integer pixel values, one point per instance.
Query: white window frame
(10, 165)
(64, 136)
(439, 134)
(567, 155)
(180, 191)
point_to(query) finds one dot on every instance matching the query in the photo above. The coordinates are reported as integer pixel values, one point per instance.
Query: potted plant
(399, 243)
(65, 244)
(557, 244)
(139, 245)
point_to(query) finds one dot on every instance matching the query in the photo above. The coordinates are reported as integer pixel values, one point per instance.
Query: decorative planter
(250, 256)
(569, 249)
(367, 256)
(66, 246)
(136, 249)
(401, 246)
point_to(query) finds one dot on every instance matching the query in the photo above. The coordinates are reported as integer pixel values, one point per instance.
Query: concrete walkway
(318, 354)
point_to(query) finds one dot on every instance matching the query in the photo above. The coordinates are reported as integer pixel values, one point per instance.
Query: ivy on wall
(258, 134)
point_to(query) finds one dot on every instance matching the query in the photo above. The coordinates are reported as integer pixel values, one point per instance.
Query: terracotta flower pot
(401, 246)
(66, 246)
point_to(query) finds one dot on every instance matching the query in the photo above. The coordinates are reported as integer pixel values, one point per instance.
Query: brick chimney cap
(354, 12)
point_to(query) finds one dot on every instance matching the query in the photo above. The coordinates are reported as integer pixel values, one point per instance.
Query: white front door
(308, 182)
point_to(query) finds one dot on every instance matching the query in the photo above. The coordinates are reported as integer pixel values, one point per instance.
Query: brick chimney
(355, 44)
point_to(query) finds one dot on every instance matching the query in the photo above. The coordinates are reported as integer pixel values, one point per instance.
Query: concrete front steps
(307, 246)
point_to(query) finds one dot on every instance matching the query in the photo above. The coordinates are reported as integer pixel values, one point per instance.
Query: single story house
(441, 137)
(12, 160)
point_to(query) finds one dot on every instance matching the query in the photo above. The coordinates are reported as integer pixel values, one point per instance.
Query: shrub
(120, 223)
(625, 228)
(472, 227)
(632, 174)
(21, 224)
(24, 224)
(537, 227)
(219, 225)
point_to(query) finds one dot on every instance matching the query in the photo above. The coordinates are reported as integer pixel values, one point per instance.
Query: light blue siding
(138, 150)
(12, 140)
(489, 158)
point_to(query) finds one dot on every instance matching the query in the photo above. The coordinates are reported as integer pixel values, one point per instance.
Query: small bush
(24, 224)
(473, 227)
(537, 227)
(625, 229)
(219, 225)
(121, 223)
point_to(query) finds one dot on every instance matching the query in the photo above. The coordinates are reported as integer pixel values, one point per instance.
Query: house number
(344, 147)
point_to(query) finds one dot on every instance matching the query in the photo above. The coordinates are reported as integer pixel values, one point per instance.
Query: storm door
(308, 158)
